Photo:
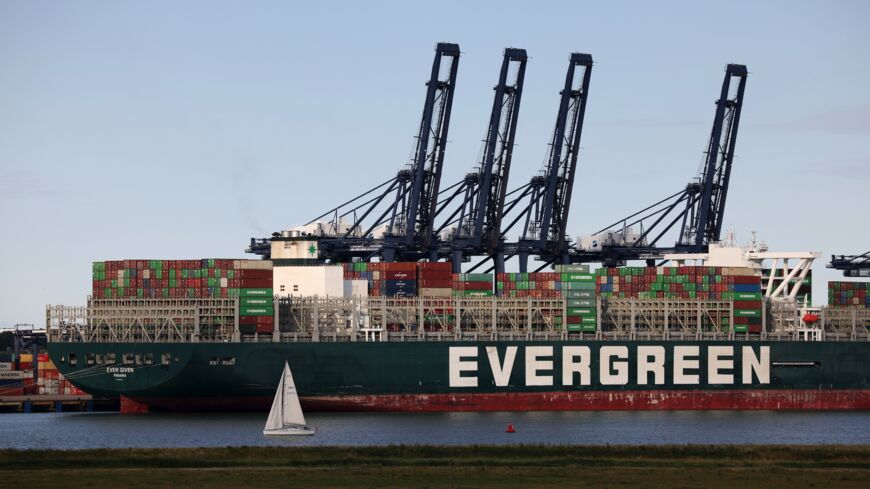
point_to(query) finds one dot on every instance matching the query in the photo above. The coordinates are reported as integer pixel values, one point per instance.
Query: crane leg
(498, 262)
(524, 261)
(457, 261)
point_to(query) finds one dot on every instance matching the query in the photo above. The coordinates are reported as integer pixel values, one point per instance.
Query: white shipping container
(146, 273)
(435, 292)
(252, 264)
(224, 282)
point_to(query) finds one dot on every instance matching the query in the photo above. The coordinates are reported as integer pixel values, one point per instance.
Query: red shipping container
(433, 284)
(747, 304)
(399, 275)
(755, 328)
(436, 274)
(408, 266)
(435, 266)
(254, 274)
(247, 320)
(255, 283)
(270, 320)
(477, 285)
(265, 328)
(745, 279)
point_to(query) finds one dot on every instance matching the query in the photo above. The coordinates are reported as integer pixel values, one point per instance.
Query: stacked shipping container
(473, 284)
(741, 285)
(538, 284)
(393, 279)
(165, 279)
(849, 294)
(250, 280)
(435, 279)
(20, 381)
(579, 289)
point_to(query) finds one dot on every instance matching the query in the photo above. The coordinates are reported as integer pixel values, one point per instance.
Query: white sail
(274, 422)
(292, 411)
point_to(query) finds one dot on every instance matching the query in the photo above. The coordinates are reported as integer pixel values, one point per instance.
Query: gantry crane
(699, 207)
(477, 218)
(542, 205)
(852, 265)
(404, 206)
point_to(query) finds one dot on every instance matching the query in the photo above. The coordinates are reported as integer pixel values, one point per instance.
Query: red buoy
(510, 428)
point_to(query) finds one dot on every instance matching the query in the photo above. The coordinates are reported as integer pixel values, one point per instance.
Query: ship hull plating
(476, 375)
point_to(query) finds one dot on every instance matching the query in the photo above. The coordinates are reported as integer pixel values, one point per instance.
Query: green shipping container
(581, 311)
(747, 313)
(581, 303)
(578, 294)
(477, 293)
(588, 286)
(255, 292)
(256, 301)
(745, 296)
(256, 311)
(476, 277)
(578, 277)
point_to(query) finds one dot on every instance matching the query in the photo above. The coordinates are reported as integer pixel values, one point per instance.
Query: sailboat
(286, 416)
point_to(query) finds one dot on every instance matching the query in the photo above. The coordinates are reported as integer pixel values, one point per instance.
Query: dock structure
(49, 403)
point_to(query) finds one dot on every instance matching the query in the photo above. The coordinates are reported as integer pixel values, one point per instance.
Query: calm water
(112, 430)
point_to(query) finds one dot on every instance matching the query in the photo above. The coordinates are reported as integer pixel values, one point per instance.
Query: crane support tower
(851, 265)
(699, 208)
(543, 204)
(411, 226)
(706, 225)
(477, 219)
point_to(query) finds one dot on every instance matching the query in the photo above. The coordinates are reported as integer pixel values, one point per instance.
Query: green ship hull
(475, 375)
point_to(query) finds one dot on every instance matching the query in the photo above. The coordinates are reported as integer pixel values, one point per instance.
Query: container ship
(368, 305)
(213, 334)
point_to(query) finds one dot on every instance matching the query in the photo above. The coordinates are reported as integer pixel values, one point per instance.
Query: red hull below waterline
(532, 401)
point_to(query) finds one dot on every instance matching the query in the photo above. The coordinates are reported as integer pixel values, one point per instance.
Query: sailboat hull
(301, 431)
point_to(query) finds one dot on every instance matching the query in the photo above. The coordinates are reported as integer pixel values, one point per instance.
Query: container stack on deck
(435, 279)
(579, 289)
(849, 294)
(538, 285)
(741, 285)
(178, 279)
(473, 284)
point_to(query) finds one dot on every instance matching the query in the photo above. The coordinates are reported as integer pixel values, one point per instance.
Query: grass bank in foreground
(527, 467)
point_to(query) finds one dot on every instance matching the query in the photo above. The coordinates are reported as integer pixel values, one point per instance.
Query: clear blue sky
(171, 129)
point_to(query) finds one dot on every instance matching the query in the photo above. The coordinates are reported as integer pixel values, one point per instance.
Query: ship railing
(434, 319)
